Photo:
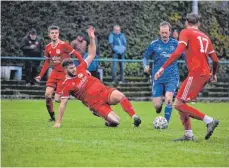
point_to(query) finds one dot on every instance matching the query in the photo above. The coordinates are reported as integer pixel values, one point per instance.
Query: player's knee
(57, 100)
(48, 95)
(169, 102)
(157, 105)
(121, 95)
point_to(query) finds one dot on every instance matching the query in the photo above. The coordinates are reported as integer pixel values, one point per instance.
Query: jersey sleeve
(65, 92)
(46, 54)
(68, 48)
(83, 66)
(210, 47)
(183, 37)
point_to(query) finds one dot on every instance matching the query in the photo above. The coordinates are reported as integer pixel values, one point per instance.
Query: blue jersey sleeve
(149, 51)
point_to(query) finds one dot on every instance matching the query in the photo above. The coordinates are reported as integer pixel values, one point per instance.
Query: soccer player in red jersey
(91, 92)
(55, 51)
(197, 47)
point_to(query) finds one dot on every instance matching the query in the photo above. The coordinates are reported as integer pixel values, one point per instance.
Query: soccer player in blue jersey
(160, 50)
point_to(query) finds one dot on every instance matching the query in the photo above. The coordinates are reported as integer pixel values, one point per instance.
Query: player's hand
(159, 73)
(91, 33)
(38, 79)
(146, 69)
(213, 79)
(57, 125)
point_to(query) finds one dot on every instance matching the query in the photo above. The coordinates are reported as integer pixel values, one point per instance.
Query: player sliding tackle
(91, 92)
(198, 47)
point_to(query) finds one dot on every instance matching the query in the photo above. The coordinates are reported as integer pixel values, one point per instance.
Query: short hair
(192, 18)
(164, 23)
(116, 26)
(67, 62)
(33, 32)
(53, 27)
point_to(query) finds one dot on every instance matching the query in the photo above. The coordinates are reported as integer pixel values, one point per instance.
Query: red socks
(127, 107)
(49, 105)
(194, 113)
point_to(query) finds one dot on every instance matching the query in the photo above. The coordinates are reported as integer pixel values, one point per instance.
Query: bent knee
(157, 105)
(48, 95)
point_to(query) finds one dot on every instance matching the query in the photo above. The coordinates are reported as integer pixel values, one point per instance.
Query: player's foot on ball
(184, 138)
(210, 128)
(137, 121)
(158, 111)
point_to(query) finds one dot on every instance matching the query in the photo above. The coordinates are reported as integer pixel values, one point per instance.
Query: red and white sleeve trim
(86, 63)
(71, 52)
(211, 52)
(183, 42)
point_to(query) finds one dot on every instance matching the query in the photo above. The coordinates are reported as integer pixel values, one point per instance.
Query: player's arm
(71, 51)
(149, 51)
(61, 111)
(44, 68)
(91, 47)
(215, 62)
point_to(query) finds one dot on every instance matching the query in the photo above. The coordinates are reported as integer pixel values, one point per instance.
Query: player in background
(197, 47)
(55, 51)
(91, 92)
(160, 50)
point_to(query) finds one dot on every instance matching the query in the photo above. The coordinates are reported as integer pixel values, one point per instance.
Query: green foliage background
(138, 20)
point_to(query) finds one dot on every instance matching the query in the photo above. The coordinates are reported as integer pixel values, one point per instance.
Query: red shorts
(192, 85)
(101, 105)
(55, 80)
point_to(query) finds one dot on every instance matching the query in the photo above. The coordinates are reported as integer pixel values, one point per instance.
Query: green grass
(83, 140)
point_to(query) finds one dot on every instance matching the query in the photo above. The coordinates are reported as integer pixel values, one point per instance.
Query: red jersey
(83, 87)
(58, 53)
(198, 47)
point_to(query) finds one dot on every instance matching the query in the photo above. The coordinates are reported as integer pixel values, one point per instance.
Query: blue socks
(168, 112)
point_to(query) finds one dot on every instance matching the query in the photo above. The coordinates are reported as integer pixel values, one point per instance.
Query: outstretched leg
(118, 97)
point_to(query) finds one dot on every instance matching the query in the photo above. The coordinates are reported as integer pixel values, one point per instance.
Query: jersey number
(202, 48)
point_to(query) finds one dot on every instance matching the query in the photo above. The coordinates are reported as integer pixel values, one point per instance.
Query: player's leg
(49, 104)
(118, 97)
(121, 65)
(114, 64)
(188, 92)
(168, 105)
(110, 117)
(170, 89)
(157, 93)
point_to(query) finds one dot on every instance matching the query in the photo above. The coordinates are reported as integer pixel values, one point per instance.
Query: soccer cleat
(137, 121)
(210, 128)
(158, 111)
(52, 120)
(184, 138)
(107, 124)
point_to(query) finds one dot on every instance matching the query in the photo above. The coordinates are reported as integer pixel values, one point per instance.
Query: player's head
(165, 29)
(54, 32)
(192, 19)
(69, 67)
(116, 29)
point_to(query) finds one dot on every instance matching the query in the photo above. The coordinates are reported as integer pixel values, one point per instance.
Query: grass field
(83, 140)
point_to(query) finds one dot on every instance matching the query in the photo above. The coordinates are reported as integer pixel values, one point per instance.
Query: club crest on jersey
(37, 43)
(58, 51)
(80, 75)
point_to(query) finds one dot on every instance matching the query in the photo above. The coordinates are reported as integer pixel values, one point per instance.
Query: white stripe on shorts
(187, 87)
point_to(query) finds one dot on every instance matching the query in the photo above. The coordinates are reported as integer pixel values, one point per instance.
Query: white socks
(188, 133)
(134, 116)
(207, 119)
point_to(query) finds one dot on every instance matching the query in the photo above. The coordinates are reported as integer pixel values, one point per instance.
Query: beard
(71, 75)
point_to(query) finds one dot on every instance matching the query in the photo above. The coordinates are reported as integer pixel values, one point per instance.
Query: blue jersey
(161, 52)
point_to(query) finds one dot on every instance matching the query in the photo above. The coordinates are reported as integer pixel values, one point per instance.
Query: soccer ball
(160, 123)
